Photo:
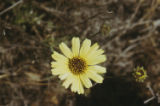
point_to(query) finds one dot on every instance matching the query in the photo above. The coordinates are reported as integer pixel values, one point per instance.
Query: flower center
(77, 65)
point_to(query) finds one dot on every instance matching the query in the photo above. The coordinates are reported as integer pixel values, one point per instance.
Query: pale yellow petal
(59, 57)
(75, 46)
(77, 85)
(63, 76)
(59, 65)
(81, 89)
(65, 50)
(57, 71)
(96, 60)
(74, 85)
(67, 82)
(55, 64)
(94, 76)
(94, 53)
(93, 48)
(86, 81)
(85, 47)
(97, 69)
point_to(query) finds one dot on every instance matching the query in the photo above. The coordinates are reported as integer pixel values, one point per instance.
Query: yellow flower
(77, 67)
(140, 74)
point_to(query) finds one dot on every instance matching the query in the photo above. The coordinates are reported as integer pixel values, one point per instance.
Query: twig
(148, 100)
(152, 92)
(52, 11)
(150, 89)
(152, 29)
(158, 97)
(3, 76)
(9, 8)
(136, 10)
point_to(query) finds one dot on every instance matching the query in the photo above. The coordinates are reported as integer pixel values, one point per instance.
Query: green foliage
(27, 14)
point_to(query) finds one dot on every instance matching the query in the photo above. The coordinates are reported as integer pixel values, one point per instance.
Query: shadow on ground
(115, 92)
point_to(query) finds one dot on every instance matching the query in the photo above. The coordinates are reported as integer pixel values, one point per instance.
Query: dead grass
(128, 31)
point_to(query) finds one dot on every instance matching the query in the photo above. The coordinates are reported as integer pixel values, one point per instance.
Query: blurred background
(30, 30)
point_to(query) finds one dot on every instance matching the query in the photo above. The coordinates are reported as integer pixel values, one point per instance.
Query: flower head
(140, 74)
(77, 67)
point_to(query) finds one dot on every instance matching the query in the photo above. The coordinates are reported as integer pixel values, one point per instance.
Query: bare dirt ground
(30, 30)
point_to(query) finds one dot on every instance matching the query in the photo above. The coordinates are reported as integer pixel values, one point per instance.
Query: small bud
(140, 74)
